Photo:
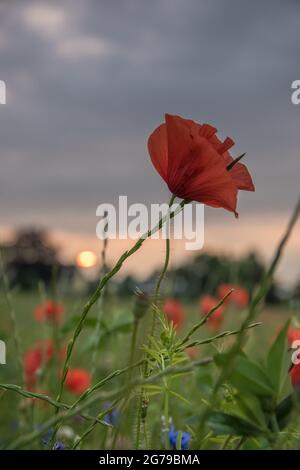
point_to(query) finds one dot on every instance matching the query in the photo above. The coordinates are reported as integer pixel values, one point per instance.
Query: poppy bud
(141, 304)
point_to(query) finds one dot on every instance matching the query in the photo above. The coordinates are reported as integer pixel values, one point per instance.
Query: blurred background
(86, 84)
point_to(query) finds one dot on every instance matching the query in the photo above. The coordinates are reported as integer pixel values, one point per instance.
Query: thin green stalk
(240, 442)
(204, 319)
(226, 442)
(224, 334)
(142, 402)
(96, 337)
(100, 305)
(39, 396)
(92, 426)
(163, 271)
(133, 347)
(129, 376)
(166, 414)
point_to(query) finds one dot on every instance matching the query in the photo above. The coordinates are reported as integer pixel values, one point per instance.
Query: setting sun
(86, 259)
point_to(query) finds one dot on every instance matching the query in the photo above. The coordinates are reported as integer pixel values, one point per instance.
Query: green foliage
(256, 407)
(278, 361)
(224, 424)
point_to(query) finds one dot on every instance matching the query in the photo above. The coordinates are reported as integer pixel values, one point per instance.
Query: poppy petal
(210, 183)
(180, 142)
(158, 150)
(242, 177)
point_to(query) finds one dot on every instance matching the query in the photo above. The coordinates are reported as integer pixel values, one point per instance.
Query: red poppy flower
(239, 297)
(78, 381)
(34, 358)
(207, 303)
(195, 164)
(50, 310)
(174, 312)
(293, 335)
(295, 375)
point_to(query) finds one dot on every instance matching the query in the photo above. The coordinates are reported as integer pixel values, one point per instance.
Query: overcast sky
(87, 81)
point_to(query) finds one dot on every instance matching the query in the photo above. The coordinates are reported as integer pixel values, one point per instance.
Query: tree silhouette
(30, 258)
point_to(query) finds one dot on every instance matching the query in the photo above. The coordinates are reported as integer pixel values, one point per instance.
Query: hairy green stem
(142, 402)
(163, 271)
(92, 426)
(39, 396)
(204, 319)
(100, 304)
(224, 334)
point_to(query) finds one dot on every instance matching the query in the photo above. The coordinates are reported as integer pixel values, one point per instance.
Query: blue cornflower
(185, 439)
(58, 446)
(47, 436)
(112, 417)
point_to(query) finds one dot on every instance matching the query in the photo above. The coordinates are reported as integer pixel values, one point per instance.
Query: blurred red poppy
(196, 165)
(293, 335)
(34, 358)
(50, 311)
(78, 381)
(174, 312)
(239, 297)
(207, 303)
(192, 352)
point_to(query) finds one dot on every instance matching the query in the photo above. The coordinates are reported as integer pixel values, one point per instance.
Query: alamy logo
(2, 352)
(2, 92)
(296, 353)
(295, 96)
(134, 221)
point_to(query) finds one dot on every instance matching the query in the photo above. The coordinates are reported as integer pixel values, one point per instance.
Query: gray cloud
(88, 81)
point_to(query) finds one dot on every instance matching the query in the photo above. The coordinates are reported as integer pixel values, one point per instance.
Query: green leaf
(179, 440)
(222, 423)
(221, 359)
(250, 377)
(284, 411)
(277, 365)
(251, 409)
(180, 397)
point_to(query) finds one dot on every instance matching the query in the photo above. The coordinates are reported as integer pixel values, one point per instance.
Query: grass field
(189, 392)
